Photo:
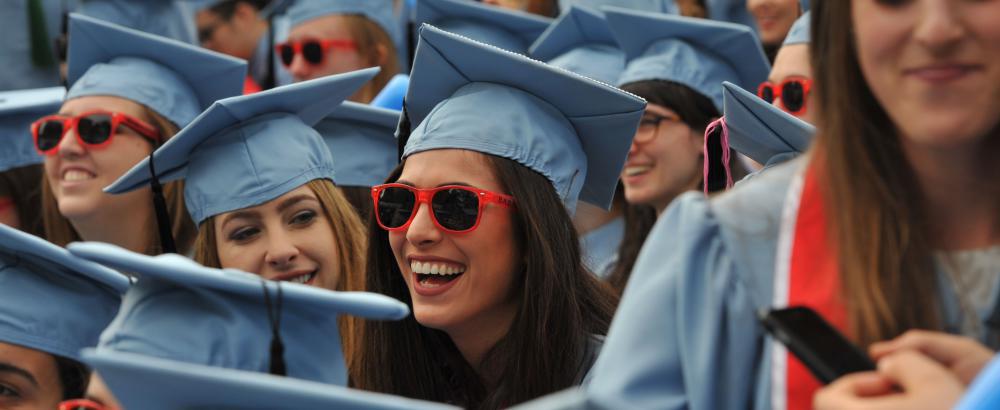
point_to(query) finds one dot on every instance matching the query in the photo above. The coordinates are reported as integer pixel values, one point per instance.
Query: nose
(940, 26)
(299, 68)
(422, 231)
(281, 250)
(70, 146)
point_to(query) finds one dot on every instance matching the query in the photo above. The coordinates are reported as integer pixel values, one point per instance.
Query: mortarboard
(18, 109)
(510, 30)
(760, 130)
(362, 142)
(799, 33)
(378, 11)
(581, 41)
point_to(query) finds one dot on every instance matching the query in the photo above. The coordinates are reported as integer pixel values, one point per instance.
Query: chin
(950, 134)
(432, 317)
(75, 208)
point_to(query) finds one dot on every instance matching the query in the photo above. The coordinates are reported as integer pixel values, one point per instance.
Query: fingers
(849, 391)
(964, 356)
(913, 371)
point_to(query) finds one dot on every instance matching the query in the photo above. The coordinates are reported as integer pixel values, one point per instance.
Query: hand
(904, 380)
(965, 357)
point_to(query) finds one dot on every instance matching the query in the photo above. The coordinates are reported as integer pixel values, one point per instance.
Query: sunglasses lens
(793, 95)
(313, 52)
(49, 134)
(456, 209)
(287, 54)
(94, 129)
(766, 93)
(395, 206)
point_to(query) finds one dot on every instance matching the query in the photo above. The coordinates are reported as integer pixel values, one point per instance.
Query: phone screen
(824, 350)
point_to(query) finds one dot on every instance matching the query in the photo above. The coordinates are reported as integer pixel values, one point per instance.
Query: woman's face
(287, 239)
(336, 60)
(483, 295)
(666, 165)
(793, 62)
(29, 379)
(934, 65)
(8, 213)
(521, 5)
(774, 18)
(78, 173)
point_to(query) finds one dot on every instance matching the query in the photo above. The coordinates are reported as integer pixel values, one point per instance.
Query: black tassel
(276, 364)
(403, 131)
(162, 216)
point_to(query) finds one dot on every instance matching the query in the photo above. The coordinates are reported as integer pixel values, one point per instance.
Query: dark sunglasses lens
(456, 209)
(767, 94)
(287, 54)
(793, 95)
(312, 52)
(395, 206)
(94, 129)
(49, 134)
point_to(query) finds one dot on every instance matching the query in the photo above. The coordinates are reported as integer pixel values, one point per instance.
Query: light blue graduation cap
(150, 383)
(392, 94)
(53, 301)
(982, 393)
(760, 130)
(510, 30)
(247, 150)
(573, 130)
(378, 11)
(581, 41)
(167, 18)
(799, 33)
(18, 109)
(180, 310)
(362, 142)
(804, 5)
(174, 79)
(655, 6)
(698, 53)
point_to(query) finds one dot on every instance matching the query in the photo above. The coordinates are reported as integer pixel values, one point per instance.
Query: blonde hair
(60, 231)
(351, 245)
(369, 37)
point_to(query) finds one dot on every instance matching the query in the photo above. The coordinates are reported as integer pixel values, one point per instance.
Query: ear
(381, 55)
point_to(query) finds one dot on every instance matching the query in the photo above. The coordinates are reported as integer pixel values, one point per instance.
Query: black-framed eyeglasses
(649, 126)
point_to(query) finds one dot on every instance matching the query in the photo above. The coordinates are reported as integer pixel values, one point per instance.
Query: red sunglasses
(455, 208)
(80, 404)
(792, 92)
(93, 129)
(314, 51)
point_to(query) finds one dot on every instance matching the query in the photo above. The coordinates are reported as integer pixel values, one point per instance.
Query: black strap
(270, 79)
(162, 216)
(403, 131)
(277, 358)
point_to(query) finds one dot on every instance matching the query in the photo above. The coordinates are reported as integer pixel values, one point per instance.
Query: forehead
(446, 166)
(40, 365)
(100, 102)
(333, 26)
(791, 61)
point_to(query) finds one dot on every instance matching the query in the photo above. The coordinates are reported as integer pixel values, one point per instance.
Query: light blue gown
(600, 247)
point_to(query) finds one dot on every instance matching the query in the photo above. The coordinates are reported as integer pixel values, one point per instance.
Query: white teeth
(636, 170)
(77, 175)
(428, 268)
(302, 279)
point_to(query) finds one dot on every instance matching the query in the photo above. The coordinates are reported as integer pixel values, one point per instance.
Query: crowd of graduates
(538, 204)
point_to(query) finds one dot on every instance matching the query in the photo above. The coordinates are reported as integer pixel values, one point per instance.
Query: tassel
(167, 244)
(724, 142)
(276, 361)
(277, 366)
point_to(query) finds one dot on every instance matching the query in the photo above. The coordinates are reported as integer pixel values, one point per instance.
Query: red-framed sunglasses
(455, 208)
(93, 129)
(792, 92)
(313, 50)
(80, 404)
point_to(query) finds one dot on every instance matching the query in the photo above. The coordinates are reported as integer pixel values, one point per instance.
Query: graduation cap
(392, 94)
(573, 130)
(698, 53)
(760, 130)
(150, 383)
(167, 18)
(18, 109)
(378, 11)
(799, 33)
(362, 142)
(180, 310)
(174, 79)
(53, 301)
(655, 6)
(581, 41)
(247, 150)
(510, 30)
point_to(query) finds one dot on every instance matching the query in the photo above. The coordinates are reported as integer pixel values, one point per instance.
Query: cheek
(121, 155)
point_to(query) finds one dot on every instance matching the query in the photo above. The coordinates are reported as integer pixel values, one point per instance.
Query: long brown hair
(560, 306)
(21, 186)
(351, 243)
(60, 231)
(887, 278)
(368, 37)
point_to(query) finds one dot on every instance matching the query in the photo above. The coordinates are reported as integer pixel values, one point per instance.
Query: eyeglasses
(455, 208)
(793, 93)
(93, 129)
(649, 126)
(312, 50)
(80, 404)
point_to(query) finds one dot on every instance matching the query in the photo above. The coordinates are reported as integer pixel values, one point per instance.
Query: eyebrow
(404, 182)
(288, 203)
(17, 371)
(239, 215)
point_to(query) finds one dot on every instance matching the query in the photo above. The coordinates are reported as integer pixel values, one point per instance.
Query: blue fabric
(18, 109)
(655, 6)
(166, 18)
(180, 310)
(760, 130)
(52, 301)
(378, 11)
(245, 151)
(698, 53)
(510, 30)
(391, 96)
(600, 247)
(573, 130)
(581, 41)
(362, 142)
(799, 33)
(174, 79)
(983, 394)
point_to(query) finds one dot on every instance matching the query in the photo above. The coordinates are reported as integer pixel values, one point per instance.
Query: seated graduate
(789, 86)
(52, 305)
(20, 162)
(129, 92)
(510, 30)
(474, 232)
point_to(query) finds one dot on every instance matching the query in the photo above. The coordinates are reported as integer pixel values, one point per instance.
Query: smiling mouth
(74, 175)
(637, 170)
(304, 279)
(433, 274)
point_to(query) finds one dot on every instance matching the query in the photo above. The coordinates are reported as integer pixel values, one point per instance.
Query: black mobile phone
(824, 350)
